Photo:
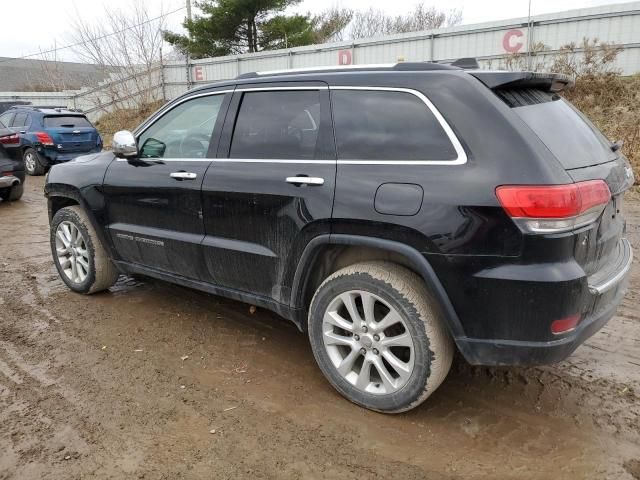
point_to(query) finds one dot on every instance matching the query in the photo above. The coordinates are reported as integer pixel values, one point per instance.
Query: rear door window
(20, 120)
(387, 125)
(277, 125)
(66, 121)
(566, 132)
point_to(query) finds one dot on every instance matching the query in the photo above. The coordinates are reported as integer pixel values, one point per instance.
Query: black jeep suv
(393, 213)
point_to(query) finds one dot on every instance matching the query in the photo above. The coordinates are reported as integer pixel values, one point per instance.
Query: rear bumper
(9, 181)
(54, 156)
(605, 293)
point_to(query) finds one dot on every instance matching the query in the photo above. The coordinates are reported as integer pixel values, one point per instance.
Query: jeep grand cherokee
(395, 214)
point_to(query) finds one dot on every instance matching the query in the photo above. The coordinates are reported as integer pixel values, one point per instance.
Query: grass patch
(125, 119)
(612, 103)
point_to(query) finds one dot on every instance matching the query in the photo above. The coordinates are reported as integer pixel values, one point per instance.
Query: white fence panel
(491, 43)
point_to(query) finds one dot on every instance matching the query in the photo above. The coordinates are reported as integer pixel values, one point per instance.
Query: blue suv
(50, 135)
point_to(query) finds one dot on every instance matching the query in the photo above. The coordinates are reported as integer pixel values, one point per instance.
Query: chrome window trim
(163, 111)
(232, 160)
(461, 154)
(461, 158)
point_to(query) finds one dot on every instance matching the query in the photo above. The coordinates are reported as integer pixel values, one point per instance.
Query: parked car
(394, 214)
(11, 171)
(50, 135)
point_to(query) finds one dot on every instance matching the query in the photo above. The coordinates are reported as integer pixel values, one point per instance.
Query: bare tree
(48, 74)
(371, 23)
(588, 59)
(126, 46)
(330, 25)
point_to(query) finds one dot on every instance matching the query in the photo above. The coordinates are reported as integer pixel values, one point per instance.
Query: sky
(49, 21)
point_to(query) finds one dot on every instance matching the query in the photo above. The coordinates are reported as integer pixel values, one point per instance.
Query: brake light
(10, 140)
(554, 208)
(44, 138)
(565, 325)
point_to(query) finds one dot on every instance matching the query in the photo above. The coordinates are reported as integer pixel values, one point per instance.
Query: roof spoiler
(550, 82)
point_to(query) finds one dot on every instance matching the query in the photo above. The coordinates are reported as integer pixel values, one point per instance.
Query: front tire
(378, 338)
(33, 164)
(81, 260)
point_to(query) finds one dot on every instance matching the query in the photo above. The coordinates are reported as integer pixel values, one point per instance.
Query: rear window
(281, 125)
(566, 132)
(66, 121)
(383, 125)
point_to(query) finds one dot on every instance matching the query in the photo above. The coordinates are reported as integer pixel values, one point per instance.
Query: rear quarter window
(387, 125)
(66, 121)
(565, 131)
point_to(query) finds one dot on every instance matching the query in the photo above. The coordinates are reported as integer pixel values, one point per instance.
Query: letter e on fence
(344, 57)
(510, 42)
(199, 74)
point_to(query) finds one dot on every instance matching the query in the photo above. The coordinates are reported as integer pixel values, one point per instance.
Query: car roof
(321, 73)
(47, 110)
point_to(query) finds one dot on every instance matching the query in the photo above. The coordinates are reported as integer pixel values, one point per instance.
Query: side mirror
(124, 144)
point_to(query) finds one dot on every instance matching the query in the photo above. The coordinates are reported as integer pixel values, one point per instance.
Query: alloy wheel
(368, 342)
(72, 252)
(30, 162)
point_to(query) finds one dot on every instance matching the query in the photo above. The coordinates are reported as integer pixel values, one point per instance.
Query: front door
(153, 202)
(271, 188)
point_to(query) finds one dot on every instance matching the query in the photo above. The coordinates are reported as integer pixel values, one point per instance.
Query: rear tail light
(554, 208)
(565, 325)
(10, 140)
(44, 138)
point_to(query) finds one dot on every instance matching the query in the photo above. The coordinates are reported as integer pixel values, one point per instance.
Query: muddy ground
(100, 387)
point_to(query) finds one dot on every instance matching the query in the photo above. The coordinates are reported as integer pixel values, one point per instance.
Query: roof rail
(48, 107)
(402, 66)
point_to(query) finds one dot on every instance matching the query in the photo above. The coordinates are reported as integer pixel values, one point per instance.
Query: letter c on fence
(509, 45)
(344, 57)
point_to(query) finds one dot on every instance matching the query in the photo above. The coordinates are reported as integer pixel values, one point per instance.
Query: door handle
(183, 175)
(305, 180)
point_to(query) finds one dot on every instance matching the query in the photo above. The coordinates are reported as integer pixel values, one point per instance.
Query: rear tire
(395, 353)
(81, 260)
(12, 194)
(33, 163)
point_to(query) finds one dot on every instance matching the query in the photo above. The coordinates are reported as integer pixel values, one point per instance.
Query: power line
(102, 37)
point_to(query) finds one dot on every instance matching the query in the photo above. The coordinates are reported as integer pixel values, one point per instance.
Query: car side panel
(257, 225)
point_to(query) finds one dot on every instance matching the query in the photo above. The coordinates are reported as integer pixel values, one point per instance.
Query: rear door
(270, 191)
(153, 202)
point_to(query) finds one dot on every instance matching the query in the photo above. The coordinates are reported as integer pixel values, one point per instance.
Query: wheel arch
(326, 254)
(60, 196)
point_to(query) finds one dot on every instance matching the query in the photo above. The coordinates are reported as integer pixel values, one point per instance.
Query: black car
(395, 214)
(11, 171)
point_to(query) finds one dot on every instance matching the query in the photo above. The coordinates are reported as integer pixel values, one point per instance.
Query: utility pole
(529, 37)
(188, 55)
